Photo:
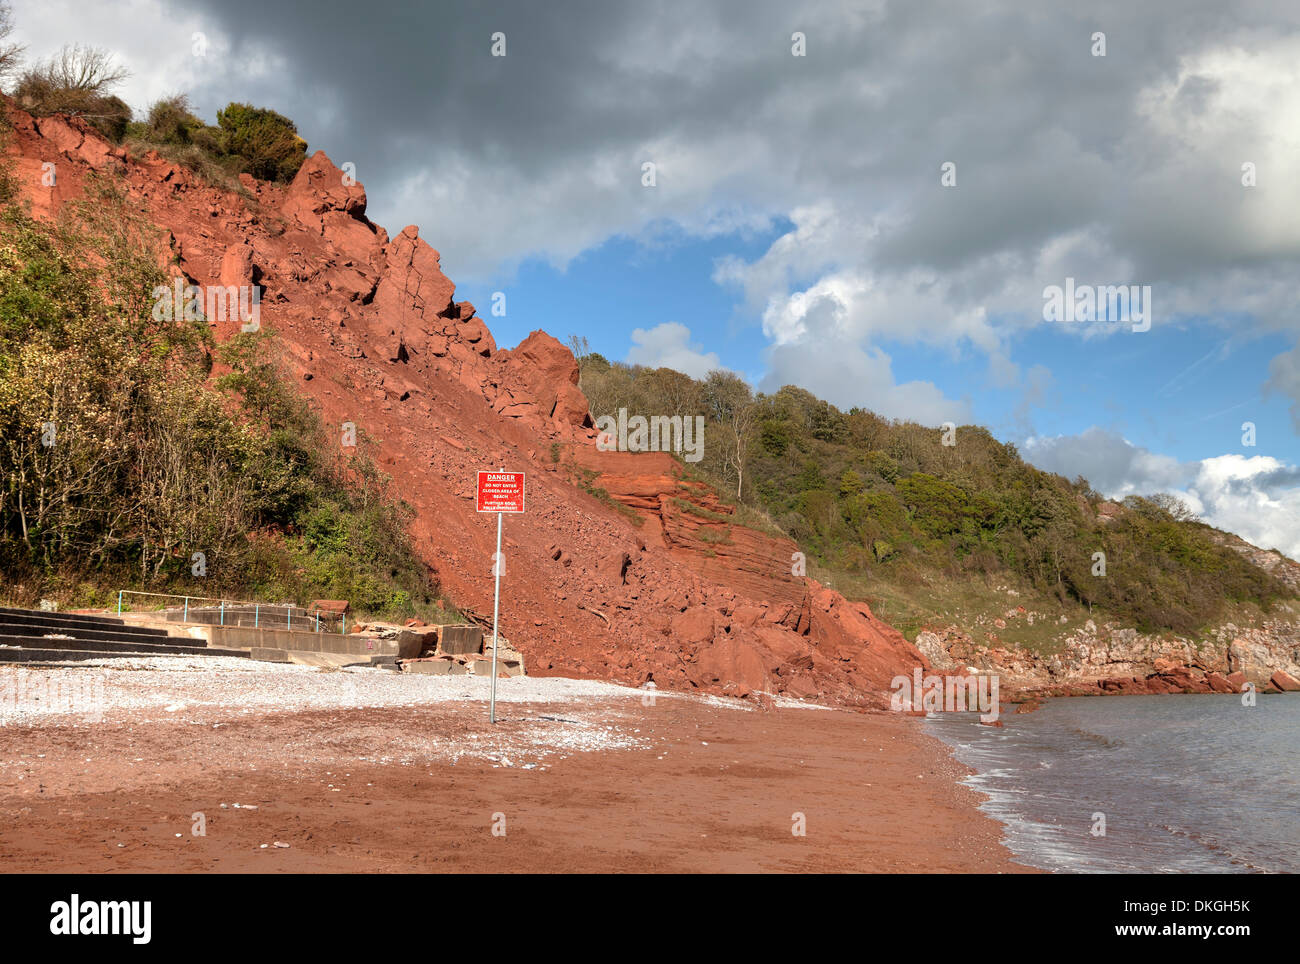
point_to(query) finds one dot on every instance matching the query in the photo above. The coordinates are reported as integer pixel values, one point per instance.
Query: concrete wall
(246, 637)
(159, 621)
(460, 640)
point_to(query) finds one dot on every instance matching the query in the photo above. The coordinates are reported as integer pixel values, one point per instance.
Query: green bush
(170, 122)
(249, 140)
(774, 437)
(268, 142)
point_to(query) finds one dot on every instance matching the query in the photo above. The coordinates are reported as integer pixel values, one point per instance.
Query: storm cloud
(1171, 161)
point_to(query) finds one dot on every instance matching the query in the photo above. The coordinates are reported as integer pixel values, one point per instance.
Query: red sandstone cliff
(374, 335)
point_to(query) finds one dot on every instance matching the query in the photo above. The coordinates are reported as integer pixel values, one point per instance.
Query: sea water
(1193, 783)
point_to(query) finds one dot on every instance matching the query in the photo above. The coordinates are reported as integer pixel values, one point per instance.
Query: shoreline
(576, 781)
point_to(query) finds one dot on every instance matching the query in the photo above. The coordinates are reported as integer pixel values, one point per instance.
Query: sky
(869, 200)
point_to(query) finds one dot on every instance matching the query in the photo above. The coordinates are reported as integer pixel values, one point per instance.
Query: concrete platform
(428, 667)
(353, 644)
(269, 655)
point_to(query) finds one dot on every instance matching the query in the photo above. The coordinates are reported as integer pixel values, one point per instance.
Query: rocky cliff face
(374, 335)
(1093, 660)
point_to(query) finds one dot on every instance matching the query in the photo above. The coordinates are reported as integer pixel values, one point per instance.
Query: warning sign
(501, 492)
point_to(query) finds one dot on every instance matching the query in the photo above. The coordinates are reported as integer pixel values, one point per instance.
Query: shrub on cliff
(268, 142)
(171, 129)
(79, 81)
(245, 140)
(170, 121)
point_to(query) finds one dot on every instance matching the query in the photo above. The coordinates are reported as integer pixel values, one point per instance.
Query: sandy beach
(294, 769)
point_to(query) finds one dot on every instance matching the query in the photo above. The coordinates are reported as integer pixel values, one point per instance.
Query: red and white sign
(501, 492)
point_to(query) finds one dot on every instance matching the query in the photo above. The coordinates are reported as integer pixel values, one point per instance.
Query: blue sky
(623, 285)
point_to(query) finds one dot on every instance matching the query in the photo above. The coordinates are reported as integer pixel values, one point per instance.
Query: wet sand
(685, 785)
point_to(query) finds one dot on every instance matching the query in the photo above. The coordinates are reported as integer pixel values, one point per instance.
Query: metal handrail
(314, 614)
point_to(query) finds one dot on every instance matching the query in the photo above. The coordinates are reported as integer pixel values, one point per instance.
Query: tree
(78, 80)
(1175, 506)
(9, 52)
(730, 404)
(86, 70)
(669, 392)
(578, 345)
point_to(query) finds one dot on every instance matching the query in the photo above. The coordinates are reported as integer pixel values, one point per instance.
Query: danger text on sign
(501, 492)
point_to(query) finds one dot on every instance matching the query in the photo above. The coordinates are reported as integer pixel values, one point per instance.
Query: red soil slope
(374, 336)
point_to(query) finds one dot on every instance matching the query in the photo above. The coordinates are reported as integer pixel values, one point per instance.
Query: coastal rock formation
(1113, 659)
(621, 568)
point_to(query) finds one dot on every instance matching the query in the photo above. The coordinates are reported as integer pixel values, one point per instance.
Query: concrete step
(80, 632)
(433, 667)
(272, 654)
(112, 647)
(37, 655)
(36, 617)
(267, 654)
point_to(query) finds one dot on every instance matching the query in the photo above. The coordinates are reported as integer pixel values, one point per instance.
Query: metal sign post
(498, 492)
(496, 612)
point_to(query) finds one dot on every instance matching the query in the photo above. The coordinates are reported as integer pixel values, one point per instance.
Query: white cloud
(1256, 497)
(848, 375)
(151, 38)
(1114, 465)
(669, 346)
(1284, 377)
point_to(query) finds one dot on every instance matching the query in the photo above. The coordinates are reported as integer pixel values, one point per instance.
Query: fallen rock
(1285, 682)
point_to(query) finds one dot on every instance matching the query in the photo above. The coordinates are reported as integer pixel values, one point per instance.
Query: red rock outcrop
(1092, 659)
(671, 589)
(1285, 682)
